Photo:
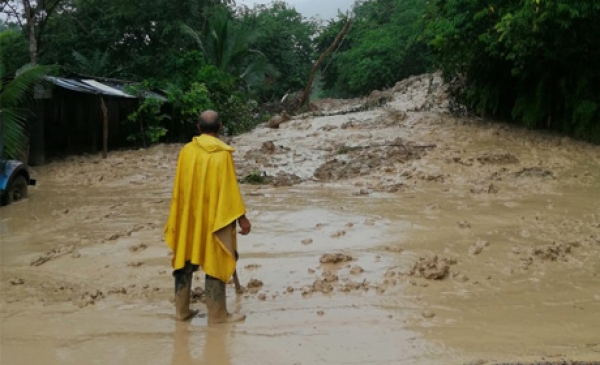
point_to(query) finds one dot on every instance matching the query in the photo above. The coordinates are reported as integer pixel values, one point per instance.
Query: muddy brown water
(85, 275)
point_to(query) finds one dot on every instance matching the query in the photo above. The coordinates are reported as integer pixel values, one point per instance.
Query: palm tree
(14, 95)
(227, 48)
(98, 64)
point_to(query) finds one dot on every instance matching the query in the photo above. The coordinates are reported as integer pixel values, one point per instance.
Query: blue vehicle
(15, 177)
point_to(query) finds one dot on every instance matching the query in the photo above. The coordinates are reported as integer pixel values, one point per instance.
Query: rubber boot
(216, 303)
(183, 291)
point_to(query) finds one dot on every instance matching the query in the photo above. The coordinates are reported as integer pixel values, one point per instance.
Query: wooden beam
(104, 128)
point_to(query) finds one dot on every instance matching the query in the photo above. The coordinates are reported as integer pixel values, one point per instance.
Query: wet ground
(399, 235)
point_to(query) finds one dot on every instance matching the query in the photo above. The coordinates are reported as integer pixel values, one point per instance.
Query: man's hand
(245, 225)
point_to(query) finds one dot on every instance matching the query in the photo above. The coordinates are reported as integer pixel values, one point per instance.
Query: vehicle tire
(17, 190)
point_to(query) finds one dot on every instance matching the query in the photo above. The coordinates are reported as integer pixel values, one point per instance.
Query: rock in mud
(276, 120)
(390, 274)
(290, 289)
(120, 290)
(427, 314)
(262, 296)
(355, 124)
(338, 234)
(390, 282)
(334, 258)
(252, 266)
(553, 251)
(268, 147)
(307, 290)
(489, 189)
(139, 247)
(497, 158)
(461, 278)
(328, 277)
(307, 241)
(254, 283)
(478, 247)
(320, 313)
(535, 172)
(135, 263)
(285, 179)
(17, 281)
(322, 286)
(432, 268)
(463, 225)
(89, 298)
(393, 249)
(329, 127)
(356, 270)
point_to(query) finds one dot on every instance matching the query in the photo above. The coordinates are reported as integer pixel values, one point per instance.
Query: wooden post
(306, 95)
(104, 128)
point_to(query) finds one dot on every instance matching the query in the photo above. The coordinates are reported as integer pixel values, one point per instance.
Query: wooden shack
(80, 114)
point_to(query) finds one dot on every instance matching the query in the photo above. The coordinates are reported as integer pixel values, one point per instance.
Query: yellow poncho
(206, 198)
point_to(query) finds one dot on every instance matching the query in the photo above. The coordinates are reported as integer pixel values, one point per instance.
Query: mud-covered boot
(183, 291)
(216, 303)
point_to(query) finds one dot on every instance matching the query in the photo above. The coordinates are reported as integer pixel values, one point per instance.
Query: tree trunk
(306, 95)
(104, 128)
(31, 23)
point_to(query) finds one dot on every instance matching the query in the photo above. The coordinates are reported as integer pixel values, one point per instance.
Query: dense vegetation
(533, 62)
(385, 45)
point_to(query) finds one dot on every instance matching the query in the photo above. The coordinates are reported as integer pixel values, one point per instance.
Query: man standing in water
(205, 206)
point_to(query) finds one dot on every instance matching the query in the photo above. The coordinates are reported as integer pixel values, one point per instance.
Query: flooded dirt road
(398, 235)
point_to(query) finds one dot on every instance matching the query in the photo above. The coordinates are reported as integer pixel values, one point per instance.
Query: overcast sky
(325, 9)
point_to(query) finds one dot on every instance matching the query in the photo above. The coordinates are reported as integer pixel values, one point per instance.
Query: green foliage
(534, 61)
(237, 112)
(384, 46)
(227, 47)
(140, 37)
(98, 64)
(285, 40)
(15, 95)
(13, 50)
(188, 104)
(147, 119)
(256, 178)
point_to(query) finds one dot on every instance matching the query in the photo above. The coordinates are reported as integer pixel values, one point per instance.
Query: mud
(432, 268)
(397, 235)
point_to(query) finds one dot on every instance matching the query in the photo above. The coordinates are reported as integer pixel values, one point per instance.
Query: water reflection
(188, 349)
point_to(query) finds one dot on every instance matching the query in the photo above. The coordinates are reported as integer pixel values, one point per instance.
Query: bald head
(208, 122)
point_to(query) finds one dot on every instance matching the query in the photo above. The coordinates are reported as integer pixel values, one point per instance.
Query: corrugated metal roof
(96, 87)
(106, 89)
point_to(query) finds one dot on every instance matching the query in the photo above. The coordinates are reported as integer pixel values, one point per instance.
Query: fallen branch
(305, 96)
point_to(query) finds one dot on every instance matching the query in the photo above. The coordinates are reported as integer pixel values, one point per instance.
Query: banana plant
(15, 96)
